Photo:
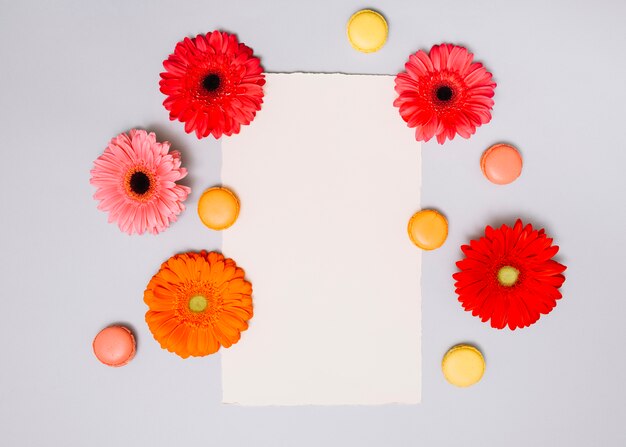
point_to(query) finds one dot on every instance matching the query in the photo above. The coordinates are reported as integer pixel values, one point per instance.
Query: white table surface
(75, 73)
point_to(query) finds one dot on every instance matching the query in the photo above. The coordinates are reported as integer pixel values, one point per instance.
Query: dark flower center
(139, 183)
(444, 93)
(211, 82)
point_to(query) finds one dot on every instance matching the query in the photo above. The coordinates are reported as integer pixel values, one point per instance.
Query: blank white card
(328, 176)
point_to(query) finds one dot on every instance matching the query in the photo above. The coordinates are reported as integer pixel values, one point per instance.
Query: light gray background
(75, 73)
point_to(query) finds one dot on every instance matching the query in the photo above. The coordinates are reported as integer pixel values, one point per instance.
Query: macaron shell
(367, 31)
(463, 366)
(114, 346)
(501, 164)
(428, 229)
(218, 208)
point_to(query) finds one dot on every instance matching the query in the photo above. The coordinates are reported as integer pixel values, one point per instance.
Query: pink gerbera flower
(444, 93)
(135, 177)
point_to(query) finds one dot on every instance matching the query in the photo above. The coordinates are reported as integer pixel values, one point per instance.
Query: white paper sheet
(328, 176)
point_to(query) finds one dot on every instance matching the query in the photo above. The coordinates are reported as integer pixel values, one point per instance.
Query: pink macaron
(114, 346)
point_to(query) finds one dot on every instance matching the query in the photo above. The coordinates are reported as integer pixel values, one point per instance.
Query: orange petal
(205, 269)
(192, 342)
(162, 294)
(244, 313)
(215, 257)
(217, 269)
(163, 331)
(179, 266)
(156, 319)
(203, 341)
(177, 341)
(159, 281)
(233, 320)
(240, 286)
(229, 272)
(168, 275)
(242, 299)
(193, 267)
(147, 296)
(212, 343)
(221, 336)
(232, 334)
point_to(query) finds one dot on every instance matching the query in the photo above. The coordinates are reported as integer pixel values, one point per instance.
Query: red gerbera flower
(509, 277)
(213, 84)
(444, 93)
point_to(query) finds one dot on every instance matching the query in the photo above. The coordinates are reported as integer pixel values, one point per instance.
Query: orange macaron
(428, 229)
(114, 346)
(218, 208)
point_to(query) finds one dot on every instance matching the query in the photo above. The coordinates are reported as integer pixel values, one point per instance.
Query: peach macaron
(501, 164)
(114, 346)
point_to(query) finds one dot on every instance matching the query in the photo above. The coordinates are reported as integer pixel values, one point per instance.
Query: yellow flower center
(198, 303)
(507, 276)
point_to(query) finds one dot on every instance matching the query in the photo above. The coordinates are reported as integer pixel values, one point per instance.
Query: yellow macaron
(367, 31)
(463, 365)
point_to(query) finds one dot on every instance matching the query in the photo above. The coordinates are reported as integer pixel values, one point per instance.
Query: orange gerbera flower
(198, 302)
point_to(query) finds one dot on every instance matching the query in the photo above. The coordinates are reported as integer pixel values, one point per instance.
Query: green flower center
(197, 303)
(508, 276)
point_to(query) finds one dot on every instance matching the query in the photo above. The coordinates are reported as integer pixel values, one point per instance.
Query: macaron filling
(198, 303)
(508, 276)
